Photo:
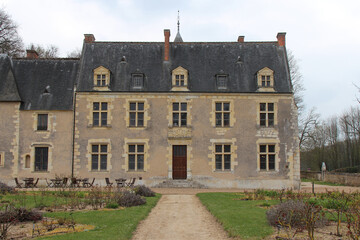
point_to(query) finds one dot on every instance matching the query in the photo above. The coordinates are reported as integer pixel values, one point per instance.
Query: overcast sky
(324, 35)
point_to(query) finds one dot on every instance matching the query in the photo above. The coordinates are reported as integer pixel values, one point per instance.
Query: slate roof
(203, 60)
(46, 84)
(8, 87)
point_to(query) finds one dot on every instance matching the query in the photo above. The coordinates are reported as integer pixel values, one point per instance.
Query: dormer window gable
(137, 81)
(222, 80)
(101, 79)
(180, 79)
(265, 80)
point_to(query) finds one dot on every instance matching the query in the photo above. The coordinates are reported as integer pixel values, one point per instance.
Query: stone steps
(180, 184)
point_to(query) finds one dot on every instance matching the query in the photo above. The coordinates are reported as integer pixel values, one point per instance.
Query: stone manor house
(219, 114)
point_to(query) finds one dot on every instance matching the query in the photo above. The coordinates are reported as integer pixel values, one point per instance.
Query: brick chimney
(32, 54)
(241, 39)
(89, 38)
(281, 38)
(167, 44)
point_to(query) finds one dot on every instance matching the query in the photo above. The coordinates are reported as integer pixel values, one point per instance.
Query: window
(41, 159)
(267, 157)
(100, 113)
(42, 123)
(2, 159)
(136, 113)
(265, 80)
(222, 114)
(222, 157)
(99, 154)
(179, 80)
(136, 157)
(221, 81)
(101, 80)
(27, 161)
(137, 81)
(267, 114)
(179, 114)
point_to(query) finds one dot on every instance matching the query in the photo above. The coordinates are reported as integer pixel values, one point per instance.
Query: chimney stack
(167, 44)
(89, 38)
(281, 38)
(241, 39)
(31, 54)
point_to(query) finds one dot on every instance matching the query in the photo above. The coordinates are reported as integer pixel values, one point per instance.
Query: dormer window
(180, 79)
(221, 81)
(137, 81)
(265, 80)
(101, 78)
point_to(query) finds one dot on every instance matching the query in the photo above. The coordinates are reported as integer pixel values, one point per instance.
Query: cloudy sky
(324, 35)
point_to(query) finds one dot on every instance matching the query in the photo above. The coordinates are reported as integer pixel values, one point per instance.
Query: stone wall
(351, 179)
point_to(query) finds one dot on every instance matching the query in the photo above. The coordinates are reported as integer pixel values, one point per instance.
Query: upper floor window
(99, 155)
(101, 78)
(136, 114)
(267, 114)
(179, 114)
(100, 113)
(42, 123)
(265, 80)
(180, 79)
(267, 156)
(222, 114)
(221, 81)
(137, 81)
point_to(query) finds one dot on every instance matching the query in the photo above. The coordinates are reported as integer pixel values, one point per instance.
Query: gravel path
(180, 217)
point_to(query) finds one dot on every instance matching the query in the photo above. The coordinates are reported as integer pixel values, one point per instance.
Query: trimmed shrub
(112, 205)
(129, 199)
(6, 189)
(144, 191)
(287, 213)
(20, 215)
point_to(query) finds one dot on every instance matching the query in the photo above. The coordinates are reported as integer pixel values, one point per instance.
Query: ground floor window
(136, 157)
(99, 155)
(267, 157)
(222, 157)
(41, 158)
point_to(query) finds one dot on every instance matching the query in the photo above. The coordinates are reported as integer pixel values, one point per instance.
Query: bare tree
(74, 54)
(297, 81)
(51, 51)
(10, 41)
(307, 127)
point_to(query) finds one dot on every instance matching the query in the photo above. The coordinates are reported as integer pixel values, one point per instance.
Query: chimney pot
(241, 39)
(167, 44)
(89, 38)
(32, 54)
(281, 38)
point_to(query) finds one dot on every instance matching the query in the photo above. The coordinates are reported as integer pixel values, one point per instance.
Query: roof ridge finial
(178, 22)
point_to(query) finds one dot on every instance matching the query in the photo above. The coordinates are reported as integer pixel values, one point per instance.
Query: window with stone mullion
(222, 157)
(136, 114)
(179, 114)
(222, 114)
(136, 157)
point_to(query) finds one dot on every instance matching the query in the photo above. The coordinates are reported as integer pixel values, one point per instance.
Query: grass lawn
(116, 224)
(240, 218)
(321, 182)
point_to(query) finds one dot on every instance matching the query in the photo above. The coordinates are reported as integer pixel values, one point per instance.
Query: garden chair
(18, 185)
(49, 184)
(74, 182)
(92, 183)
(35, 183)
(131, 182)
(108, 183)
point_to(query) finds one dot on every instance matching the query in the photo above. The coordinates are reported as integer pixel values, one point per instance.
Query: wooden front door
(179, 162)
